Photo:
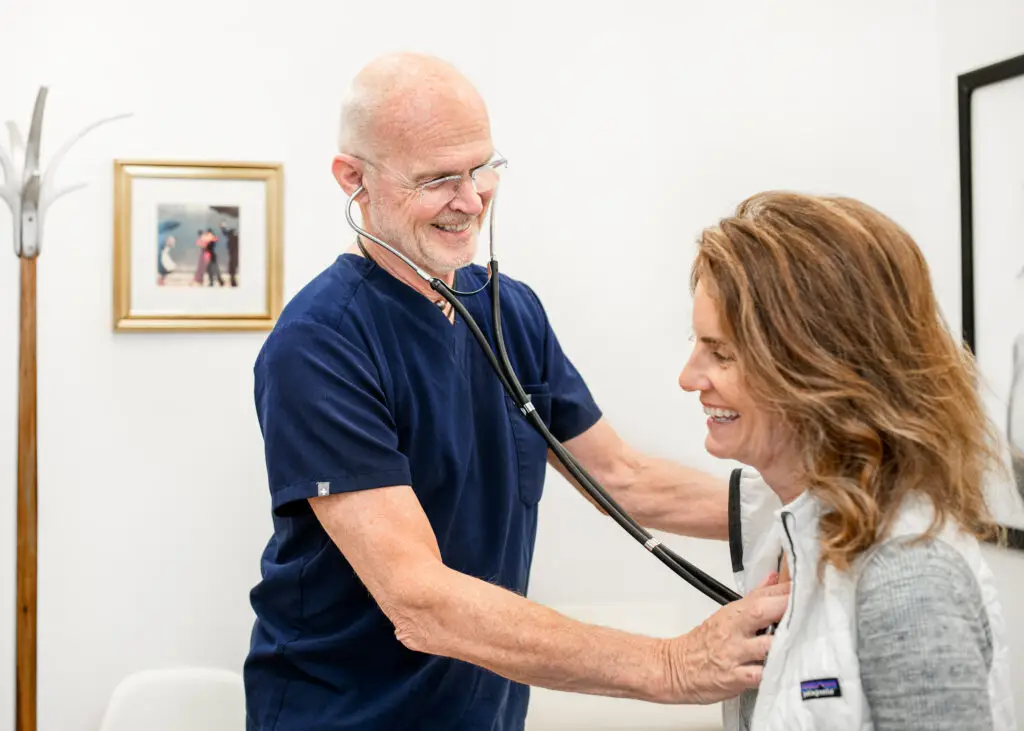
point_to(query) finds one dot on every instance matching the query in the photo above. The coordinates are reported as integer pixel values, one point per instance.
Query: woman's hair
(830, 308)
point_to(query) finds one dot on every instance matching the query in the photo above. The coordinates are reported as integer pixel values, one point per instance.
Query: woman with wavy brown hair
(825, 367)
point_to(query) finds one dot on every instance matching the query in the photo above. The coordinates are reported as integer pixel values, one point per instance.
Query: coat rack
(29, 191)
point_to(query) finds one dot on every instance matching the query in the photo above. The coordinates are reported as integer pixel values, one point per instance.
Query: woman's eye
(720, 358)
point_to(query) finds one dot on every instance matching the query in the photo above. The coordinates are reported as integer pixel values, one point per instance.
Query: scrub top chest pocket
(531, 447)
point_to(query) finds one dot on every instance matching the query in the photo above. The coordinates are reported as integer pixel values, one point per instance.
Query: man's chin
(450, 266)
(448, 258)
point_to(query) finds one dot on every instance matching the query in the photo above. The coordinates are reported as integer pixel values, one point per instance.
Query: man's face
(439, 236)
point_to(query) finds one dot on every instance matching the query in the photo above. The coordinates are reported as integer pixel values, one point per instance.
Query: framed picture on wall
(991, 125)
(197, 245)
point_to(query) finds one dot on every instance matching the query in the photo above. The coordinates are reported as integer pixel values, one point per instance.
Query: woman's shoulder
(925, 591)
(923, 626)
(929, 566)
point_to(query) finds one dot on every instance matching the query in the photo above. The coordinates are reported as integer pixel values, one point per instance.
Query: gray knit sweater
(923, 640)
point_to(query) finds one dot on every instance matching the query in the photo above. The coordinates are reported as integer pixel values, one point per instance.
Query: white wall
(970, 36)
(627, 129)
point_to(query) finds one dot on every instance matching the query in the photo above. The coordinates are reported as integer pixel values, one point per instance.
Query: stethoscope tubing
(703, 582)
(697, 578)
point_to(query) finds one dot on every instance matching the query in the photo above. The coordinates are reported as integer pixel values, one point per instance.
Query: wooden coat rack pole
(25, 715)
(28, 192)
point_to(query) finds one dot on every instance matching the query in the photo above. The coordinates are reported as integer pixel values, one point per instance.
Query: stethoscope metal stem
(502, 367)
(351, 222)
(431, 280)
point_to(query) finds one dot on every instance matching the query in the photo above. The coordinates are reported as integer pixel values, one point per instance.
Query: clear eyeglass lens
(486, 179)
(442, 192)
(439, 193)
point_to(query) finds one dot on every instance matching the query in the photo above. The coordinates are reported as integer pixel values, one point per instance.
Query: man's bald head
(408, 121)
(396, 100)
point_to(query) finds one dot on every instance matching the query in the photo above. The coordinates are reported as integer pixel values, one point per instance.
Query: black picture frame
(967, 84)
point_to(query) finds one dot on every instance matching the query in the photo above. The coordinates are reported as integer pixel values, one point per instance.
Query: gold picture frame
(227, 275)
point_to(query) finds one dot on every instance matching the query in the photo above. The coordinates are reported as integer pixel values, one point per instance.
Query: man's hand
(724, 655)
(387, 538)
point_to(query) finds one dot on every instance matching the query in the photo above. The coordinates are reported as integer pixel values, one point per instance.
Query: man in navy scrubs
(405, 484)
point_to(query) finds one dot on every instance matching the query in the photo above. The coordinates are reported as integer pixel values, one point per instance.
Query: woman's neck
(785, 479)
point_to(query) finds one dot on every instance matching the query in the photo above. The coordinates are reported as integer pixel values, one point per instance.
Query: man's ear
(348, 171)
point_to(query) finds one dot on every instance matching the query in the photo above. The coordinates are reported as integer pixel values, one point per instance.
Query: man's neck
(398, 268)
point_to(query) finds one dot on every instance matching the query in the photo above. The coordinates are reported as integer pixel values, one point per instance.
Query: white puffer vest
(811, 679)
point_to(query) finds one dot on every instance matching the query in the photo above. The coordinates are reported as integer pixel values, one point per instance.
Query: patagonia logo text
(820, 688)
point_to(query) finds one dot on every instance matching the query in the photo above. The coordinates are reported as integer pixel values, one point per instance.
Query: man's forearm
(658, 493)
(462, 617)
(666, 496)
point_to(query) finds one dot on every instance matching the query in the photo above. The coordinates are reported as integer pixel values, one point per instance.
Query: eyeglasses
(438, 193)
(442, 191)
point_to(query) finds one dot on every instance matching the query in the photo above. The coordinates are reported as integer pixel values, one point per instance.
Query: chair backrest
(177, 699)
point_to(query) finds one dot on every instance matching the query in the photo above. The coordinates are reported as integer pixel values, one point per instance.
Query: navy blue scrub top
(365, 383)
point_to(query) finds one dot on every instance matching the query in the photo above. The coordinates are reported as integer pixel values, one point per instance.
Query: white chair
(177, 699)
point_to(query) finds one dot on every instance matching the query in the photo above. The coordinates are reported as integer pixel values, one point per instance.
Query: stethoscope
(503, 369)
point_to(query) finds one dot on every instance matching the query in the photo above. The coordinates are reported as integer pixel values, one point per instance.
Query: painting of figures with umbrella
(197, 246)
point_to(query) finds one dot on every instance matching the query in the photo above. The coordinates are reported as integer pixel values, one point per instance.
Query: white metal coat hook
(27, 189)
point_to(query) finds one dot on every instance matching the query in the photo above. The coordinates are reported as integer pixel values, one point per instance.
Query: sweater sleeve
(923, 640)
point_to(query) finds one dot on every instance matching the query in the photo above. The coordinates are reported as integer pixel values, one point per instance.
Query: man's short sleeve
(573, 409)
(324, 418)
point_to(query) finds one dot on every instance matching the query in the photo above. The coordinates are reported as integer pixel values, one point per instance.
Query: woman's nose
(690, 379)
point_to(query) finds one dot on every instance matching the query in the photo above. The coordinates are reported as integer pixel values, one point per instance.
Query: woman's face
(737, 428)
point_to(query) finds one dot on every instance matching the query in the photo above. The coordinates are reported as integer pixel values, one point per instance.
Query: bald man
(405, 485)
